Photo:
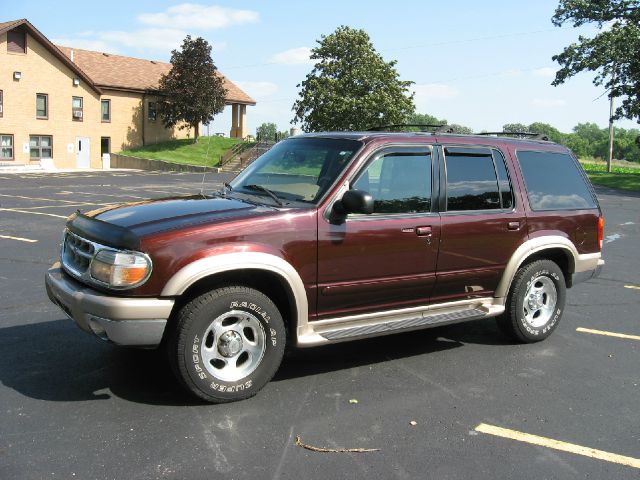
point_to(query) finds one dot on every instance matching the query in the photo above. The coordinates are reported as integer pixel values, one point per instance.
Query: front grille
(77, 253)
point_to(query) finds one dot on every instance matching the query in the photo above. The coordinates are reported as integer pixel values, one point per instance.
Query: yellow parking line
(634, 287)
(32, 213)
(20, 239)
(608, 334)
(558, 445)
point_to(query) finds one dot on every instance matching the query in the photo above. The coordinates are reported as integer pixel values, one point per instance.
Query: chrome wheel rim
(233, 345)
(540, 301)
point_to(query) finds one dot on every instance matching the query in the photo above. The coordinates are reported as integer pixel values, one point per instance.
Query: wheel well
(266, 282)
(560, 257)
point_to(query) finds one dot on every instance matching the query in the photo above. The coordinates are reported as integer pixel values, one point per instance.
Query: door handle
(513, 225)
(423, 231)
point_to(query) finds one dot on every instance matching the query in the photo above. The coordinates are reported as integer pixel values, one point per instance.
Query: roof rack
(436, 128)
(532, 135)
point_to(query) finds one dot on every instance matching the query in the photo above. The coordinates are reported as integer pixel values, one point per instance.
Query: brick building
(65, 106)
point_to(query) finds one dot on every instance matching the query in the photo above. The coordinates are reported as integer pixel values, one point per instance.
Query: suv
(332, 237)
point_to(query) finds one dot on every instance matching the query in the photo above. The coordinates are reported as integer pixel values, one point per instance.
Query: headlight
(120, 270)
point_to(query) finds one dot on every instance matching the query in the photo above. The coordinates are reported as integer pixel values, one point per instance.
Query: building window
(105, 145)
(151, 111)
(1, 104)
(105, 110)
(17, 41)
(76, 108)
(40, 146)
(6, 147)
(42, 105)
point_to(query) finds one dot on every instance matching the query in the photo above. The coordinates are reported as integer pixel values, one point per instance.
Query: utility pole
(610, 158)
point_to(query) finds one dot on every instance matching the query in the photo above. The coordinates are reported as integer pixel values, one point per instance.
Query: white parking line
(558, 445)
(32, 213)
(38, 198)
(20, 239)
(608, 334)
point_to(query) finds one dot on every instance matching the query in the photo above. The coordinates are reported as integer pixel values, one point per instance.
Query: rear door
(385, 260)
(482, 223)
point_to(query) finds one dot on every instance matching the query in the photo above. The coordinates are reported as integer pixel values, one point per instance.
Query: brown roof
(117, 72)
(105, 70)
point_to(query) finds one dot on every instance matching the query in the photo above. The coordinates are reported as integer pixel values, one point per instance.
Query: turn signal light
(600, 231)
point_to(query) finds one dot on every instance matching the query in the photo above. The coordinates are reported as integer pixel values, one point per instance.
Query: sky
(479, 64)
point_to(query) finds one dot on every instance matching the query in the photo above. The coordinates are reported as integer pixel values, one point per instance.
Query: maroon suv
(333, 237)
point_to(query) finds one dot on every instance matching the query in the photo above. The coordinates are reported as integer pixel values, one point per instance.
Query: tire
(227, 344)
(535, 302)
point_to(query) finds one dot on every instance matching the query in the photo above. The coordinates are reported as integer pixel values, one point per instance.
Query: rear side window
(471, 180)
(554, 181)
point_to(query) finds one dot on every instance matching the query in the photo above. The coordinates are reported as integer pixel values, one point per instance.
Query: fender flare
(205, 267)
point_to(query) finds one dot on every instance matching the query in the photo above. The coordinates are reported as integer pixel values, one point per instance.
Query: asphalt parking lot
(74, 407)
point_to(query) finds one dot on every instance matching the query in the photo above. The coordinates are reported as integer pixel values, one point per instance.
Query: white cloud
(427, 94)
(293, 56)
(86, 44)
(545, 72)
(199, 17)
(548, 102)
(258, 89)
(513, 72)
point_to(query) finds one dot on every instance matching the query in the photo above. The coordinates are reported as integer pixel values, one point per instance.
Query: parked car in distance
(332, 237)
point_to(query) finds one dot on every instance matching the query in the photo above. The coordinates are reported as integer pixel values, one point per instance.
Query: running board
(381, 323)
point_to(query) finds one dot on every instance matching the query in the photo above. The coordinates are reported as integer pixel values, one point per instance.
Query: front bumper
(129, 321)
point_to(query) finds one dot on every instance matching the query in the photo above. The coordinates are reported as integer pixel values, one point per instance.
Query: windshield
(296, 169)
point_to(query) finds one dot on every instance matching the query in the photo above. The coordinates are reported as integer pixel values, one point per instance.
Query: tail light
(600, 231)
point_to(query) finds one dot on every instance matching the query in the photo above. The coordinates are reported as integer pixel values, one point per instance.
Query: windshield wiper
(260, 188)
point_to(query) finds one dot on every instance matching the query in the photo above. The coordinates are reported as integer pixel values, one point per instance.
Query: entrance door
(83, 152)
(385, 260)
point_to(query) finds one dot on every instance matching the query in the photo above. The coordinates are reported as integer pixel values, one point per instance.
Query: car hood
(154, 216)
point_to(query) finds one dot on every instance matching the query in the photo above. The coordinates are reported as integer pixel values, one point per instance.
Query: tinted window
(471, 182)
(554, 181)
(506, 193)
(399, 182)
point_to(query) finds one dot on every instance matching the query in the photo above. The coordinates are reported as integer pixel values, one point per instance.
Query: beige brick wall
(44, 73)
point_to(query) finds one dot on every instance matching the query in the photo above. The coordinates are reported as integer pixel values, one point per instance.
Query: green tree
(515, 127)
(267, 131)
(425, 119)
(613, 53)
(545, 129)
(191, 92)
(351, 87)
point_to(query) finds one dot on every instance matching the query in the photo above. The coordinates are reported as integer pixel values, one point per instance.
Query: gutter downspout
(144, 96)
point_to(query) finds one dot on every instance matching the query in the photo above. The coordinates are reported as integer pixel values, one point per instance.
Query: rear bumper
(130, 321)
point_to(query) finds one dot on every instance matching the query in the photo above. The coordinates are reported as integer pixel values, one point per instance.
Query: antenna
(204, 174)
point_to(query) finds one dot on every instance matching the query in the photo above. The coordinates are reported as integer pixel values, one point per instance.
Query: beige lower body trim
(351, 327)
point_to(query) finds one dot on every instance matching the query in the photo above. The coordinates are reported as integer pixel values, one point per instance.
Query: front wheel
(535, 302)
(227, 344)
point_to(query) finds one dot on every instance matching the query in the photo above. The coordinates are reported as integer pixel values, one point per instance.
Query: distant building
(67, 106)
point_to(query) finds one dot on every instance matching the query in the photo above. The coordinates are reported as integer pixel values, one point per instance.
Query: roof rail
(383, 128)
(532, 135)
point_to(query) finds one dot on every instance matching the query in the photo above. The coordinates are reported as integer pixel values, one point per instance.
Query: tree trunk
(196, 132)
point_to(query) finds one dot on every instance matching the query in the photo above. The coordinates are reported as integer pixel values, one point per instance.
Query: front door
(83, 152)
(385, 260)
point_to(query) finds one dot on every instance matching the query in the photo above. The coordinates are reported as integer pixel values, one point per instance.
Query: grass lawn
(625, 177)
(185, 151)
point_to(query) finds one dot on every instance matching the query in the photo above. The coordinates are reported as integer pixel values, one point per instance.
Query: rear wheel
(535, 302)
(227, 344)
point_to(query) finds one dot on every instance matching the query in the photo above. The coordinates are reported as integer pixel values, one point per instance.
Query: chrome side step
(391, 321)
(417, 322)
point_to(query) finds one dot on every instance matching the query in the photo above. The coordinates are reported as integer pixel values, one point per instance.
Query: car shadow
(55, 361)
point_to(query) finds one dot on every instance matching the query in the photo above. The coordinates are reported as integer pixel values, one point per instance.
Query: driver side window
(399, 181)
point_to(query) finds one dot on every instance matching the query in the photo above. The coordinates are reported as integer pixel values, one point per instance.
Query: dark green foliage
(267, 131)
(614, 53)
(351, 87)
(192, 92)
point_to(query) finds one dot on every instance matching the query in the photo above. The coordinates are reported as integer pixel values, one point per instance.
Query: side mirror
(354, 201)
